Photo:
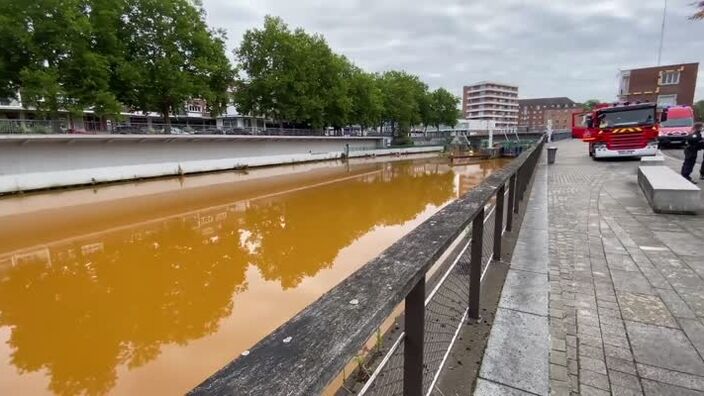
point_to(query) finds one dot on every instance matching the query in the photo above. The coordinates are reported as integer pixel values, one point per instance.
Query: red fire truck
(622, 130)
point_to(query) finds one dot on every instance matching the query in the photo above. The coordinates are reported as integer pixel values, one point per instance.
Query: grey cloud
(547, 47)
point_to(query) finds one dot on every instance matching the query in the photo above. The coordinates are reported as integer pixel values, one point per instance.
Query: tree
(589, 105)
(169, 56)
(699, 110)
(367, 100)
(53, 58)
(402, 94)
(700, 10)
(445, 108)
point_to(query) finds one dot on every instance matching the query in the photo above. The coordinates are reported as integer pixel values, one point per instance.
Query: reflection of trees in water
(82, 316)
(90, 310)
(302, 234)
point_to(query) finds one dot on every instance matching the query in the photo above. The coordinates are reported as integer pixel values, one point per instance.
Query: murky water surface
(149, 288)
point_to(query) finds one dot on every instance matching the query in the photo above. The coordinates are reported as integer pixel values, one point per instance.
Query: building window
(667, 100)
(669, 78)
(195, 109)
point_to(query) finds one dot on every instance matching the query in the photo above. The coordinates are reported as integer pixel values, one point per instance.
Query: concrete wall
(39, 162)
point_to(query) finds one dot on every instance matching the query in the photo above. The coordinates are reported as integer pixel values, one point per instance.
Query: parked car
(178, 131)
(238, 131)
(210, 131)
(126, 130)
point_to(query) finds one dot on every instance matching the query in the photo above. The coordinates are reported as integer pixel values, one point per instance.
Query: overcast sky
(571, 48)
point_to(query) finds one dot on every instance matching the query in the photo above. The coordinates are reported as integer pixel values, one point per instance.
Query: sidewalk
(626, 286)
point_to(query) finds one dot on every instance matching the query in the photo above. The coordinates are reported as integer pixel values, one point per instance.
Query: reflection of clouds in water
(247, 243)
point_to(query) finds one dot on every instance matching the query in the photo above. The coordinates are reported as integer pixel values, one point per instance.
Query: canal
(149, 288)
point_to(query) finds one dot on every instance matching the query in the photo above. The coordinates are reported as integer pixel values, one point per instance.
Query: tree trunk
(167, 119)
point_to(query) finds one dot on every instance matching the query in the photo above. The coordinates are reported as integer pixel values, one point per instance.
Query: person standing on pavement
(693, 145)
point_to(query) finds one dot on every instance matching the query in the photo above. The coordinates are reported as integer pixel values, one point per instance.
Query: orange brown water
(149, 288)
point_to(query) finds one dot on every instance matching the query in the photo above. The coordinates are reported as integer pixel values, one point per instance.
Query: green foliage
(699, 110)
(169, 55)
(149, 55)
(291, 76)
(445, 108)
(403, 95)
(589, 105)
(51, 57)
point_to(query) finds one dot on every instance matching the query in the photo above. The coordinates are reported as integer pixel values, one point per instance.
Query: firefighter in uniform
(693, 145)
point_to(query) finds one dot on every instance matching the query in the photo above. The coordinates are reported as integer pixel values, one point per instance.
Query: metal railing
(306, 353)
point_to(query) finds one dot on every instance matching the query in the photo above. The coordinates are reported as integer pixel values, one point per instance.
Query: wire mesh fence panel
(444, 313)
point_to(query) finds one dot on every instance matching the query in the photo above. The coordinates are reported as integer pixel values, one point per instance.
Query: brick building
(534, 113)
(561, 118)
(667, 85)
(491, 101)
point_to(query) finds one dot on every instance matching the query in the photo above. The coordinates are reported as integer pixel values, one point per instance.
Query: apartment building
(491, 101)
(665, 85)
(535, 113)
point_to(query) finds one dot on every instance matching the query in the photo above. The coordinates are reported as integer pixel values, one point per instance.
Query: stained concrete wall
(40, 162)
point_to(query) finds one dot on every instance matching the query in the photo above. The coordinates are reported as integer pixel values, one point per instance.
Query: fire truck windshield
(614, 119)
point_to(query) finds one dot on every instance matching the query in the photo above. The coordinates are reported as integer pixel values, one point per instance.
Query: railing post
(475, 264)
(413, 341)
(499, 221)
(512, 207)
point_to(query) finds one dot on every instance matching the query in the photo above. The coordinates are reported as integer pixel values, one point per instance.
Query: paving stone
(617, 390)
(526, 292)
(645, 308)
(619, 341)
(488, 388)
(681, 242)
(559, 388)
(694, 330)
(652, 388)
(558, 357)
(671, 377)
(623, 365)
(586, 390)
(695, 263)
(574, 384)
(596, 365)
(624, 380)
(588, 377)
(675, 304)
(517, 351)
(558, 345)
(631, 282)
(695, 300)
(592, 352)
(558, 373)
(664, 347)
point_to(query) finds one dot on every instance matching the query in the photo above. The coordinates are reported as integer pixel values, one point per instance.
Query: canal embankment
(36, 162)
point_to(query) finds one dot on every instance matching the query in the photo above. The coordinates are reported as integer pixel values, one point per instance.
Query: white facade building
(491, 101)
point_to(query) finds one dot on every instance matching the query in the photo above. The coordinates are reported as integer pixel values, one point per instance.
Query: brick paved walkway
(626, 308)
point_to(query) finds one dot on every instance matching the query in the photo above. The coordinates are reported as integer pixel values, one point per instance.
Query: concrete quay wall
(51, 161)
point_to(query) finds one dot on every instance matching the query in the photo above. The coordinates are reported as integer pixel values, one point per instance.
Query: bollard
(552, 152)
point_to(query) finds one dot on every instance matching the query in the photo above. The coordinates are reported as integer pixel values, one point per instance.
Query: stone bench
(651, 161)
(667, 191)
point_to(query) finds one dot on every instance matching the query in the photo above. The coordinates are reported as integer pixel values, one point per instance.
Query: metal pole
(499, 221)
(512, 207)
(413, 341)
(662, 32)
(475, 264)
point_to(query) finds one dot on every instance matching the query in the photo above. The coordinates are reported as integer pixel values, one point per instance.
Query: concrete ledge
(516, 360)
(668, 192)
(42, 162)
(652, 161)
